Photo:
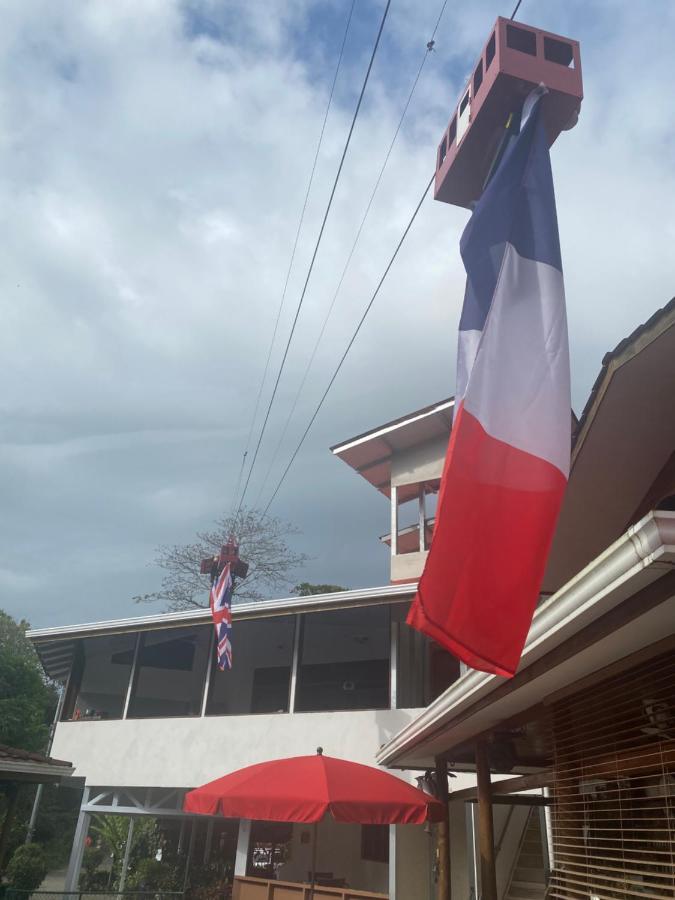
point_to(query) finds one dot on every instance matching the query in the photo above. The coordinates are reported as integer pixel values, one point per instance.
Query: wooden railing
(261, 889)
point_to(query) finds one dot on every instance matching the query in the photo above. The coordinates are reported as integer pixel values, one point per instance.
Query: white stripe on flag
(519, 387)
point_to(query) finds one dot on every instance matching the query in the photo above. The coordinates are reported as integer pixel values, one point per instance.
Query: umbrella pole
(315, 830)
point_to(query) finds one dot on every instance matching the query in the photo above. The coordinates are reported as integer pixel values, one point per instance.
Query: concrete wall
(421, 463)
(408, 566)
(414, 853)
(186, 752)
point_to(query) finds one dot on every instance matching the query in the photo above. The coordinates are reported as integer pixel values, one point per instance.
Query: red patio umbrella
(306, 788)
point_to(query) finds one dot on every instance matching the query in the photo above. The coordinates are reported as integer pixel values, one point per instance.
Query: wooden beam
(443, 833)
(486, 838)
(509, 785)
(518, 800)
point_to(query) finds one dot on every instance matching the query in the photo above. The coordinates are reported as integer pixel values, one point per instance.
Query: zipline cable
(428, 49)
(314, 255)
(349, 345)
(292, 259)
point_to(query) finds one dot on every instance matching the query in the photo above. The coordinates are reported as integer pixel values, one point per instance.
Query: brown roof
(29, 756)
(659, 318)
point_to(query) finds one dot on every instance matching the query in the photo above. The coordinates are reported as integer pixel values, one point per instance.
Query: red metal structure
(516, 59)
(229, 553)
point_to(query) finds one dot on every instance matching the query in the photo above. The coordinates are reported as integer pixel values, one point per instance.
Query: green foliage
(91, 876)
(27, 701)
(306, 589)
(153, 875)
(56, 822)
(27, 867)
(209, 882)
(110, 834)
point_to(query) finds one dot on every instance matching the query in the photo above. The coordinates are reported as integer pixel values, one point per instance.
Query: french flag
(508, 458)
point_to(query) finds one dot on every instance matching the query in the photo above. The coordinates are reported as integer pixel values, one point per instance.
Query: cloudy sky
(154, 156)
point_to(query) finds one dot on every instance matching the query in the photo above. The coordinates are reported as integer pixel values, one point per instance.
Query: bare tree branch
(263, 543)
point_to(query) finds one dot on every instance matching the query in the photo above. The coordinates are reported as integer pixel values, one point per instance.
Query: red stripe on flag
(496, 516)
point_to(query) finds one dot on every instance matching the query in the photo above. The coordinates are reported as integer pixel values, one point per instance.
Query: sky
(154, 157)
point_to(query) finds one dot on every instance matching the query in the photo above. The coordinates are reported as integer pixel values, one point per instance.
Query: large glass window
(344, 660)
(100, 677)
(424, 669)
(260, 678)
(170, 673)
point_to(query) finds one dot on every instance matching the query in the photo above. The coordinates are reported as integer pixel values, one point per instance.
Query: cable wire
(314, 254)
(428, 50)
(358, 327)
(349, 345)
(292, 259)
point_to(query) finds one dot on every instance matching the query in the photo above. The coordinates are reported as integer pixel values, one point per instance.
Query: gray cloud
(153, 159)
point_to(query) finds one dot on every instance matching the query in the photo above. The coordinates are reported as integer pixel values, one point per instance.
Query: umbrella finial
(319, 751)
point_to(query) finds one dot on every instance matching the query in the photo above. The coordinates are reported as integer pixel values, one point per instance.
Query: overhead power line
(350, 344)
(314, 254)
(429, 47)
(367, 310)
(292, 259)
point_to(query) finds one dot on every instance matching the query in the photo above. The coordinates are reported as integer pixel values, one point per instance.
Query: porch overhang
(370, 453)
(622, 602)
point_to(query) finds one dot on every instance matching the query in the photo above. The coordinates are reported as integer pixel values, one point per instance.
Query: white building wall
(187, 752)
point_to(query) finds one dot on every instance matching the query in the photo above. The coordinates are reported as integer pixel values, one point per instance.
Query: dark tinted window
(170, 673)
(101, 671)
(519, 39)
(489, 52)
(558, 51)
(344, 661)
(478, 77)
(260, 677)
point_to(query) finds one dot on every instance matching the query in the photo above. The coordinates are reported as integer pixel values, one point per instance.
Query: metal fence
(11, 893)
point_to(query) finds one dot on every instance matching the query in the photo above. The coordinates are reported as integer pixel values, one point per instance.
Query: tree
(27, 700)
(263, 544)
(306, 589)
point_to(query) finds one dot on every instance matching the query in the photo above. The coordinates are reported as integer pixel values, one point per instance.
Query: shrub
(91, 878)
(153, 875)
(27, 867)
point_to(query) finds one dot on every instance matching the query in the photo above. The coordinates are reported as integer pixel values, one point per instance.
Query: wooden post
(443, 832)
(486, 840)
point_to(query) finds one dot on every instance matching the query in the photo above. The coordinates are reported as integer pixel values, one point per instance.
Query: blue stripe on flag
(510, 210)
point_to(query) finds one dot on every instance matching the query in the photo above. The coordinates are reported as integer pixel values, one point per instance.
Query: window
(170, 673)
(100, 677)
(521, 40)
(375, 843)
(442, 152)
(463, 105)
(478, 77)
(344, 660)
(424, 669)
(259, 681)
(558, 51)
(452, 131)
(490, 51)
(269, 848)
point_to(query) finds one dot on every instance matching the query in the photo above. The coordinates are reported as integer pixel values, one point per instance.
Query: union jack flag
(219, 600)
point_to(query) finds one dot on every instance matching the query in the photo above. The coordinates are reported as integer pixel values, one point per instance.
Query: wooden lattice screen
(614, 794)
